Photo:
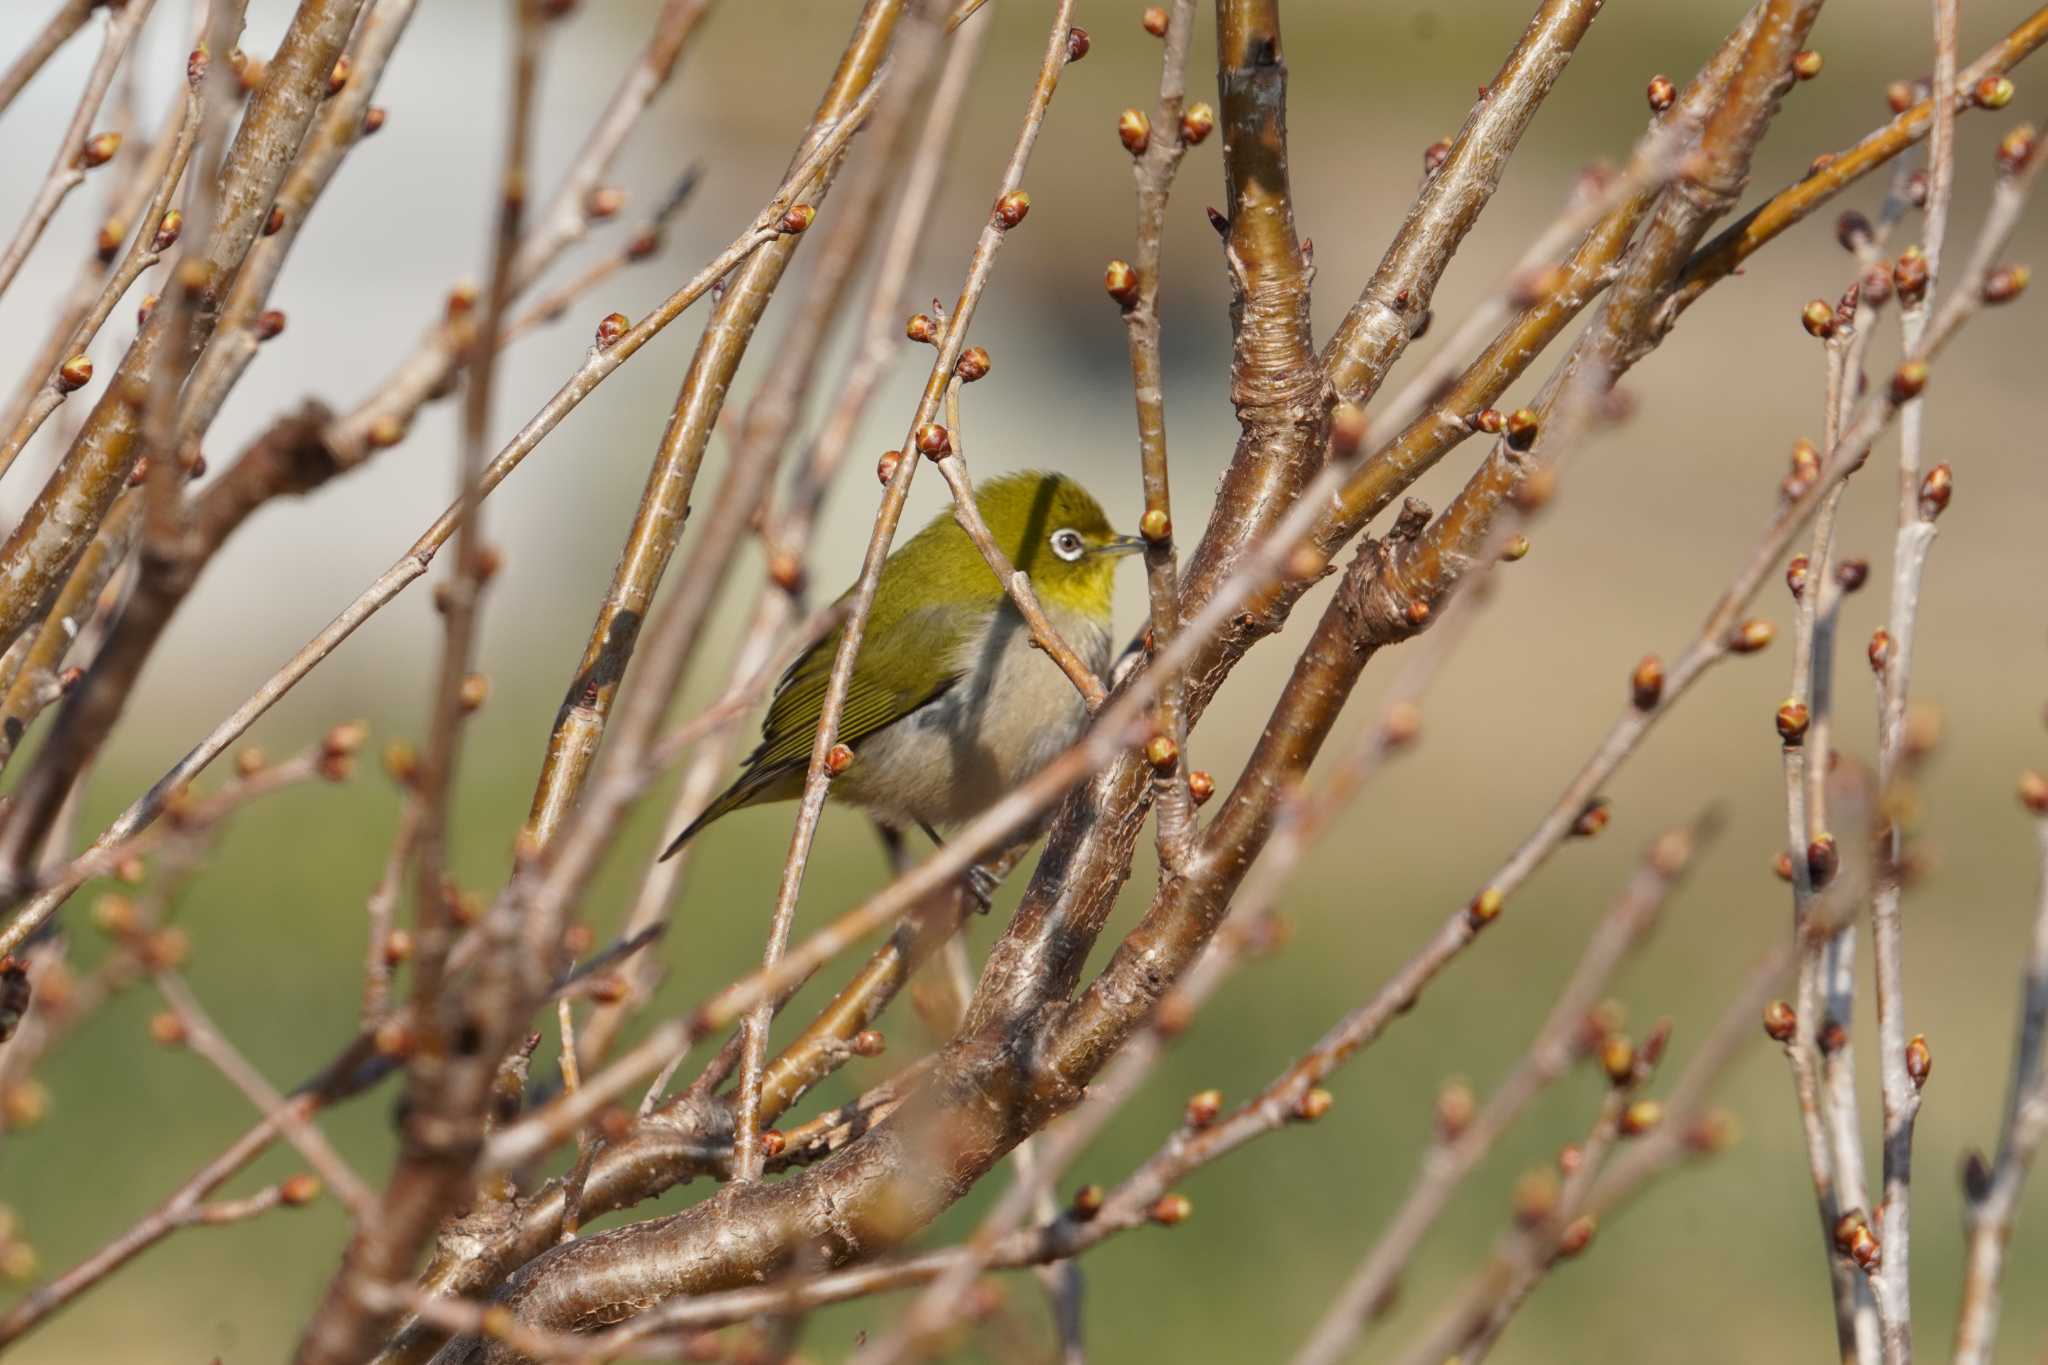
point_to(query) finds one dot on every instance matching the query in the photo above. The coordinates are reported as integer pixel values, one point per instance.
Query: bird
(950, 703)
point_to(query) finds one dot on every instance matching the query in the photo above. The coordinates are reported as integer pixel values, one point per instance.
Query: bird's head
(1053, 529)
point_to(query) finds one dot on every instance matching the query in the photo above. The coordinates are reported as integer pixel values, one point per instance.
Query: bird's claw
(981, 884)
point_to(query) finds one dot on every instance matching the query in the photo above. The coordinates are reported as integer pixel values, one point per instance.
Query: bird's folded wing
(884, 689)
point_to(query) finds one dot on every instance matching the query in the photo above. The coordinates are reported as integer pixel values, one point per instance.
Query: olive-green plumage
(949, 704)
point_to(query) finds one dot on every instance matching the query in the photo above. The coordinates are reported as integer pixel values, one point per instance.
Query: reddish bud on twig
(74, 374)
(250, 762)
(1402, 724)
(610, 328)
(1170, 1210)
(1909, 381)
(1909, 276)
(1154, 20)
(99, 149)
(2016, 149)
(838, 759)
(772, 1142)
(1661, 93)
(1935, 490)
(1077, 43)
(1515, 550)
(1592, 819)
(1087, 1202)
(1203, 1107)
(1156, 526)
(1134, 130)
(920, 327)
(1796, 575)
(1313, 1104)
(1434, 156)
(1646, 684)
(1011, 209)
(1993, 92)
(1161, 752)
(337, 79)
(1864, 1249)
(1347, 429)
(1880, 651)
(108, 244)
(1919, 1061)
(373, 119)
(1201, 786)
(1846, 1228)
(2006, 283)
(933, 441)
(1792, 721)
(1853, 231)
(114, 915)
(398, 947)
(1456, 1107)
(786, 571)
(1822, 860)
(1535, 1196)
(1486, 907)
(1577, 1236)
(167, 232)
(1806, 65)
(1852, 574)
(297, 1191)
(885, 468)
(167, 1029)
(1818, 317)
(269, 324)
(1489, 421)
(869, 1043)
(1618, 1059)
(1779, 1021)
(1521, 429)
(274, 224)
(149, 303)
(1714, 1132)
(1641, 1117)
(603, 201)
(1751, 636)
(1121, 282)
(2034, 792)
(1899, 96)
(1197, 123)
(473, 692)
(973, 365)
(798, 219)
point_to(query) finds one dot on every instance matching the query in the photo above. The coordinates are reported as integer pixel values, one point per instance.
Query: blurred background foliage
(1719, 1263)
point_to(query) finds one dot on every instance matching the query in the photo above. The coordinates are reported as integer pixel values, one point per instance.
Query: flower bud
(1852, 574)
(1161, 752)
(1792, 721)
(933, 441)
(1618, 1059)
(1087, 1202)
(798, 219)
(472, 693)
(167, 230)
(1154, 20)
(1818, 317)
(1347, 429)
(1486, 907)
(610, 328)
(1121, 282)
(1780, 1022)
(1909, 381)
(1751, 636)
(1203, 1107)
(74, 374)
(838, 759)
(1796, 574)
(1313, 1104)
(337, 79)
(1170, 1210)
(167, 1029)
(1662, 94)
(373, 119)
(1011, 209)
(1134, 130)
(269, 324)
(1577, 1236)
(1435, 155)
(1646, 684)
(99, 149)
(1201, 786)
(1515, 550)
(1822, 860)
(1521, 429)
(1155, 526)
(1535, 1196)
(869, 1043)
(1880, 652)
(973, 365)
(299, 1190)
(1993, 92)
(2016, 149)
(1456, 1107)
(1806, 65)
(603, 201)
(1197, 123)
(1919, 1061)
(2034, 792)
(885, 468)
(1592, 819)
(1935, 490)
(1641, 1117)
(2006, 283)
(1077, 43)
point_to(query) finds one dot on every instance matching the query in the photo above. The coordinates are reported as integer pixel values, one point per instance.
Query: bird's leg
(981, 883)
(892, 847)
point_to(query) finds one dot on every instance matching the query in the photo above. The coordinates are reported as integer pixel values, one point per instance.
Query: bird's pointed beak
(1122, 545)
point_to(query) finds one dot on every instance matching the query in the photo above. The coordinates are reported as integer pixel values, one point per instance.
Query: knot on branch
(291, 458)
(1380, 604)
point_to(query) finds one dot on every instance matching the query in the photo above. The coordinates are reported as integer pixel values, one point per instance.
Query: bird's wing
(879, 694)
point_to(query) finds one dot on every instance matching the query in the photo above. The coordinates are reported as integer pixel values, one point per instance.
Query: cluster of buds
(1854, 1239)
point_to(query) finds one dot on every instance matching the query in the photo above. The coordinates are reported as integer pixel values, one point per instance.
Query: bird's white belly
(1010, 714)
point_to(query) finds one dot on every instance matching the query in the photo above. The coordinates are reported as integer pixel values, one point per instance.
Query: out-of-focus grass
(1718, 1263)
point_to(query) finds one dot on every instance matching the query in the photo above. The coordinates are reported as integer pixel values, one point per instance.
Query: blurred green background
(1719, 1263)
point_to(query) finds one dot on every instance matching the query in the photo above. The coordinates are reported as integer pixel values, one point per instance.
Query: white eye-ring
(1068, 545)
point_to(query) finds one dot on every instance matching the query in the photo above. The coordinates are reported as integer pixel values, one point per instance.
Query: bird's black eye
(1068, 544)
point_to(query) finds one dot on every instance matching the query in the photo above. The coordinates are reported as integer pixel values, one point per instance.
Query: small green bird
(950, 705)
